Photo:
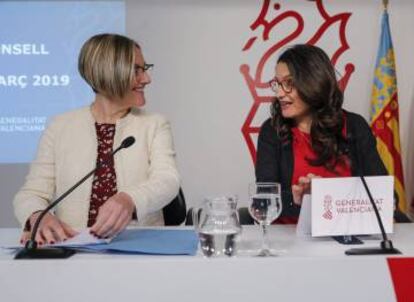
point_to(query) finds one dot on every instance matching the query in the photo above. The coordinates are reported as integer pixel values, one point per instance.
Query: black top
(275, 160)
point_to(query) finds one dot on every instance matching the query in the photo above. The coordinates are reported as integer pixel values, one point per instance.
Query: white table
(311, 270)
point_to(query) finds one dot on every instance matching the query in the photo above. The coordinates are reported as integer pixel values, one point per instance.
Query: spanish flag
(385, 113)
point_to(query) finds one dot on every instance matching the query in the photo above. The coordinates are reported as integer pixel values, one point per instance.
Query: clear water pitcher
(218, 227)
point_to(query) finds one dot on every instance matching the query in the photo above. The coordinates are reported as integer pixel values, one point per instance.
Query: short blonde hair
(106, 62)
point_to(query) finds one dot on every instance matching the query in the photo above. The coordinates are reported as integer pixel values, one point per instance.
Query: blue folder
(149, 242)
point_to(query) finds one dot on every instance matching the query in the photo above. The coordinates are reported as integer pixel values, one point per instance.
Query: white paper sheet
(83, 238)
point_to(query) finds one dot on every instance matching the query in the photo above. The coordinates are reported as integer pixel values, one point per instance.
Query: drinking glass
(265, 207)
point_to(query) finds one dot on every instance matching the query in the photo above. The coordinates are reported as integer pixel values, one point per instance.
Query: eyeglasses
(285, 85)
(141, 69)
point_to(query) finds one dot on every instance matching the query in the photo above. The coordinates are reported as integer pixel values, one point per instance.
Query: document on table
(82, 238)
(135, 241)
(151, 242)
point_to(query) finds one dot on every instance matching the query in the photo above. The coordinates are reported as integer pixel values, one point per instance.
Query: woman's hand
(51, 230)
(114, 215)
(302, 188)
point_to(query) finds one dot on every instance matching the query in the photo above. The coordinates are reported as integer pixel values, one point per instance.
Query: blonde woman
(140, 180)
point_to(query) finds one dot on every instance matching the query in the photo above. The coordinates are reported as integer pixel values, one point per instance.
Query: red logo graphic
(327, 207)
(269, 20)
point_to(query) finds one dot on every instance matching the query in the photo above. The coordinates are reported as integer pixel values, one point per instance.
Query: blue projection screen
(39, 46)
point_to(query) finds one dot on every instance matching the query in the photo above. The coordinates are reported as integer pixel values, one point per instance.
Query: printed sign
(341, 206)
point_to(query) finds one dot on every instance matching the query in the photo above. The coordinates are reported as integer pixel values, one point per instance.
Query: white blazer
(68, 150)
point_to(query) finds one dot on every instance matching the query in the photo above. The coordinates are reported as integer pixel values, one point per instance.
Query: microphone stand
(386, 246)
(31, 250)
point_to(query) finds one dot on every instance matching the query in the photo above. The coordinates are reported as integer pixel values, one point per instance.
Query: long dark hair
(314, 79)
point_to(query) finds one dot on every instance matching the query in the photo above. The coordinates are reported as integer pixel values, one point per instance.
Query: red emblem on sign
(327, 207)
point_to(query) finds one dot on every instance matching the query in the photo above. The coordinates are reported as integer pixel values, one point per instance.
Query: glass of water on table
(265, 206)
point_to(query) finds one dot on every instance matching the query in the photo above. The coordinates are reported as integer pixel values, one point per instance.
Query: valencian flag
(385, 113)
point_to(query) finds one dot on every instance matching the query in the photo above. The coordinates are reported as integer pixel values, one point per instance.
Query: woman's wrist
(28, 223)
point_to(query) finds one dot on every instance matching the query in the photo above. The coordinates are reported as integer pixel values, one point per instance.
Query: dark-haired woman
(309, 134)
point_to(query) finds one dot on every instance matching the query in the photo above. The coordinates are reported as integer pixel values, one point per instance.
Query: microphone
(126, 143)
(30, 251)
(386, 246)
